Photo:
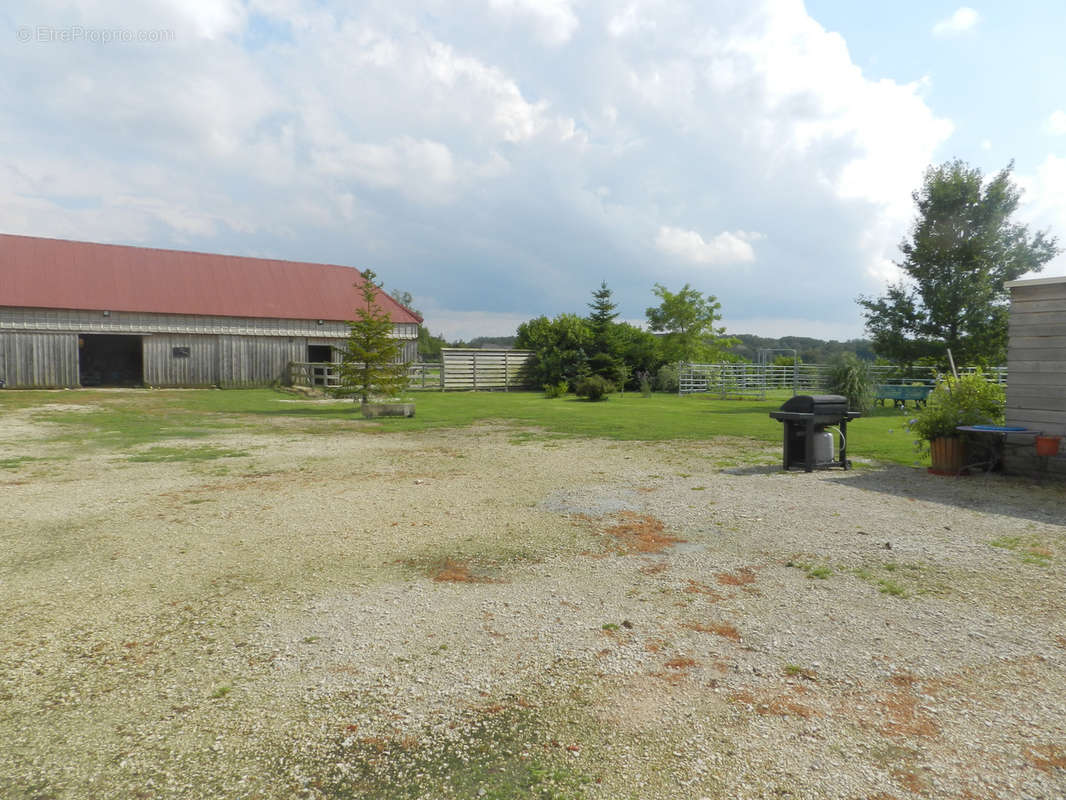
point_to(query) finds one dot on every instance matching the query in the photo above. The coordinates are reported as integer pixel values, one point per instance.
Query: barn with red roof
(83, 314)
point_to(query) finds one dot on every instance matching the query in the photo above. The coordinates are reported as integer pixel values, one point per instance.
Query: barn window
(180, 352)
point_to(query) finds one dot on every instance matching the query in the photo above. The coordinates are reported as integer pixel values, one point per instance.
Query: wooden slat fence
(473, 369)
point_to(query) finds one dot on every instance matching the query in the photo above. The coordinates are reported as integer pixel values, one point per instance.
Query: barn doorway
(110, 360)
(321, 354)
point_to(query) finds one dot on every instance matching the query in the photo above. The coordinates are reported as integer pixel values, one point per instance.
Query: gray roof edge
(1036, 281)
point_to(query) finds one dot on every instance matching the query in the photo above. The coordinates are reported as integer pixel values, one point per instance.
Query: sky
(499, 159)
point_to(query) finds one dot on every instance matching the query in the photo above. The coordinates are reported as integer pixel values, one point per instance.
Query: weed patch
(1046, 757)
(772, 705)
(1030, 549)
(169, 454)
(639, 533)
(451, 571)
(723, 629)
(742, 577)
(499, 754)
(815, 571)
(15, 462)
(695, 587)
(796, 671)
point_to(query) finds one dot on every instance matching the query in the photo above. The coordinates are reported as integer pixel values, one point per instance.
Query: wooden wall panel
(42, 360)
(163, 368)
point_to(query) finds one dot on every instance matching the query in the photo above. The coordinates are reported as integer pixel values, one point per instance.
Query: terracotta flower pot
(948, 455)
(1047, 445)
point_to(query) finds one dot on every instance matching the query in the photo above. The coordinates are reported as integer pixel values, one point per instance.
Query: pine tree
(372, 357)
(603, 358)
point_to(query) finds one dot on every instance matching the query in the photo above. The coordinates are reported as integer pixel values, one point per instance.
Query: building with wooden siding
(82, 314)
(1036, 370)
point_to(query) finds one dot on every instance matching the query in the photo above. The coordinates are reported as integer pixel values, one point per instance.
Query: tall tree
(961, 251)
(687, 321)
(603, 356)
(406, 300)
(372, 362)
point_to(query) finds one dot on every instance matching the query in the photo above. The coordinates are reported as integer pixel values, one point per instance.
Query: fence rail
(316, 374)
(424, 375)
(754, 380)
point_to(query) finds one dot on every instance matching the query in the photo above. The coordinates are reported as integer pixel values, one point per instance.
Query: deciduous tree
(687, 321)
(964, 246)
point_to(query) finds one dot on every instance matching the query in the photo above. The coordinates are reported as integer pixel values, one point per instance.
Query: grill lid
(816, 404)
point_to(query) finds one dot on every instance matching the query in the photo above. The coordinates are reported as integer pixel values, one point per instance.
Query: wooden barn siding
(258, 360)
(44, 360)
(463, 368)
(80, 321)
(161, 368)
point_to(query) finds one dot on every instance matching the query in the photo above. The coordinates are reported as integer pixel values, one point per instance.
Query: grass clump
(816, 571)
(498, 753)
(1029, 549)
(555, 390)
(168, 454)
(890, 587)
(16, 462)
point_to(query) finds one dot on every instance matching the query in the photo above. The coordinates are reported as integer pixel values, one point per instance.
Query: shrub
(644, 377)
(850, 376)
(968, 400)
(667, 378)
(594, 388)
(553, 390)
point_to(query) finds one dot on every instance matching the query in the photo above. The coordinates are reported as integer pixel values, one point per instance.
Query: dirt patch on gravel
(355, 615)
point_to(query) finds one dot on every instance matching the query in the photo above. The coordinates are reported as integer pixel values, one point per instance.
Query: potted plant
(966, 400)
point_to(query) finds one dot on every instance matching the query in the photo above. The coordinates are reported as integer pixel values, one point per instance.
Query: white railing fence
(754, 380)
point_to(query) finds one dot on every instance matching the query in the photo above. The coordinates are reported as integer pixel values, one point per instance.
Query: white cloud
(553, 21)
(1056, 123)
(964, 19)
(1044, 206)
(631, 20)
(725, 248)
(986, 144)
(467, 165)
(420, 167)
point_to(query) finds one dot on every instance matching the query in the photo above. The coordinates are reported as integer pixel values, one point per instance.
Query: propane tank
(823, 447)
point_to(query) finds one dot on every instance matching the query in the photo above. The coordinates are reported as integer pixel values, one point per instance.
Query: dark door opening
(107, 360)
(321, 354)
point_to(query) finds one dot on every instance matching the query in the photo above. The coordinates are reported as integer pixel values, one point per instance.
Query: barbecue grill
(806, 418)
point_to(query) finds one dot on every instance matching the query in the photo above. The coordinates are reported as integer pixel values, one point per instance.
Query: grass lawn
(125, 418)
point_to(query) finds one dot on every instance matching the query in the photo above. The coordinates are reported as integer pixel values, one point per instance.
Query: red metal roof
(55, 273)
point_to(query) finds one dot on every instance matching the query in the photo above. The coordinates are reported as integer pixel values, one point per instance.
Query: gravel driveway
(491, 612)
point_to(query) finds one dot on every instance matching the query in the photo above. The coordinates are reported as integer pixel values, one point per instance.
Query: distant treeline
(810, 351)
